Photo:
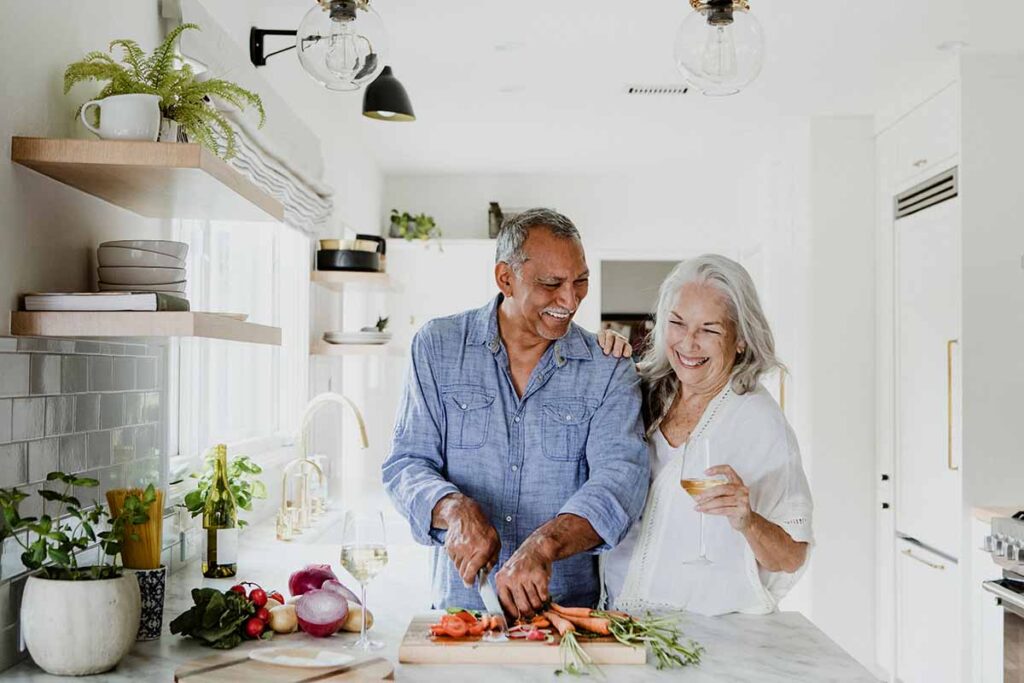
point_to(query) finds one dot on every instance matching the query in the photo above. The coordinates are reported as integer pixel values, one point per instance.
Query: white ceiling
(527, 85)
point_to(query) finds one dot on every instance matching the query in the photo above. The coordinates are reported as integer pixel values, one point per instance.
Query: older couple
(526, 444)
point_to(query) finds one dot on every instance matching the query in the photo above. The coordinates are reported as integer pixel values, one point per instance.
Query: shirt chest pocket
(565, 427)
(468, 409)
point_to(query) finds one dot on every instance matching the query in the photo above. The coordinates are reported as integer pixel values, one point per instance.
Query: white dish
(141, 276)
(301, 657)
(173, 287)
(178, 250)
(120, 257)
(355, 338)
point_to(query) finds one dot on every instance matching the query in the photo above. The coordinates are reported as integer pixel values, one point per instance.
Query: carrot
(562, 625)
(572, 611)
(593, 624)
(540, 622)
(614, 613)
(495, 623)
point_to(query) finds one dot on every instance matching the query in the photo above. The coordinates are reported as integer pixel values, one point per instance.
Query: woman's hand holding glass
(731, 499)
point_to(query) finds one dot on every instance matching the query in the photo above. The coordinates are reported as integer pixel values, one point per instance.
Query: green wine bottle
(220, 522)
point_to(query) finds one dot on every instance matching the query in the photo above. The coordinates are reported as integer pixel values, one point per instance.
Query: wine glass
(363, 553)
(695, 482)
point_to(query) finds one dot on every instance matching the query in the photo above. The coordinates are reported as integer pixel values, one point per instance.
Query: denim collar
(484, 330)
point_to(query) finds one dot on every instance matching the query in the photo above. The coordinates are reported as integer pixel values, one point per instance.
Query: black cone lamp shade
(386, 100)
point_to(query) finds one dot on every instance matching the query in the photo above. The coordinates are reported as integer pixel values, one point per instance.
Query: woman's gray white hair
(516, 229)
(745, 312)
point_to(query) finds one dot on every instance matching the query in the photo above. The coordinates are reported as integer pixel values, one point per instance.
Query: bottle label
(227, 546)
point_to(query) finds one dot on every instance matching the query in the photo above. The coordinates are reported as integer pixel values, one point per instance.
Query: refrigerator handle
(949, 404)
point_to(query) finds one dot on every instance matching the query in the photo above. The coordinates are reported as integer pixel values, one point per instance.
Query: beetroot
(321, 612)
(311, 577)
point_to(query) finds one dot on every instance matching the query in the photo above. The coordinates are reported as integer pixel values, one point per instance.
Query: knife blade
(492, 604)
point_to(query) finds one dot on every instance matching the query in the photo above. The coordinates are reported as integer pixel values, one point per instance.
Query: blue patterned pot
(152, 585)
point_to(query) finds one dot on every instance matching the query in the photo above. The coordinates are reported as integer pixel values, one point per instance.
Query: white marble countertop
(781, 647)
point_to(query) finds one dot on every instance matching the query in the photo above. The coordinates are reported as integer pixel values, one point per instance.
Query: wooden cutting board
(230, 667)
(419, 647)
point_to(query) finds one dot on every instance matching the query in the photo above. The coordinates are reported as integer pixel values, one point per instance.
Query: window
(245, 395)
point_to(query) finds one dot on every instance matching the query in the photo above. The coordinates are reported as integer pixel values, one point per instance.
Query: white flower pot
(75, 628)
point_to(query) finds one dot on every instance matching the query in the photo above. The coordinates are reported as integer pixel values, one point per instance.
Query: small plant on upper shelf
(243, 480)
(410, 227)
(51, 542)
(184, 98)
(381, 324)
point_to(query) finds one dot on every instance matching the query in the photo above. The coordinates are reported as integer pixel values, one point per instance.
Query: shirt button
(567, 417)
(463, 406)
(515, 468)
(508, 518)
(517, 419)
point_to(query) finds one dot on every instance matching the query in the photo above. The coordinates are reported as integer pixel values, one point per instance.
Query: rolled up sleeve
(614, 493)
(413, 473)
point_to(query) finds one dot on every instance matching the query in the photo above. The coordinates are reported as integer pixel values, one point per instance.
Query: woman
(702, 399)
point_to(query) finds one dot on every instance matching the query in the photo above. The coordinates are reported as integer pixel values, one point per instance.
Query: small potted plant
(409, 227)
(185, 97)
(64, 602)
(243, 480)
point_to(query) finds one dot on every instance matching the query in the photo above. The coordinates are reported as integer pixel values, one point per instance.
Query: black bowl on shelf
(347, 259)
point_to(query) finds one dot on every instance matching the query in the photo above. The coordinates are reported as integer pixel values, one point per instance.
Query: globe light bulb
(342, 44)
(719, 47)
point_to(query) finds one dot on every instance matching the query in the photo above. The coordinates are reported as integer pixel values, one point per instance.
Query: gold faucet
(295, 515)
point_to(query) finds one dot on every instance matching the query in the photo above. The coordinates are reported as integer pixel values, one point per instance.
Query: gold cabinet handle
(949, 404)
(933, 565)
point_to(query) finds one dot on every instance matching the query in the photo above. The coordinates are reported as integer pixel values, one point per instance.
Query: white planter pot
(75, 628)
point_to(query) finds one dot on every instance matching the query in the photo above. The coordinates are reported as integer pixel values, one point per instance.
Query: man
(519, 444)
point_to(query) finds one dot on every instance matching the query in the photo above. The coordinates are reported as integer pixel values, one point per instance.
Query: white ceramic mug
(126, 117)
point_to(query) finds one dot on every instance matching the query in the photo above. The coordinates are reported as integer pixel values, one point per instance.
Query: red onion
(339, 588)
(309, 578)
(321, 613)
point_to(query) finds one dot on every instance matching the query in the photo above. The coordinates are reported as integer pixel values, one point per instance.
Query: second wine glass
(364, 552)
(694, 481)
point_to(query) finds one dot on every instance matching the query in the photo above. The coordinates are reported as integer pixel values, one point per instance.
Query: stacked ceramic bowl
(142, 266)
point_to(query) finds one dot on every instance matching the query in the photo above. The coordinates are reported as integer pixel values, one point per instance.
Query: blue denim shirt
(574, 443)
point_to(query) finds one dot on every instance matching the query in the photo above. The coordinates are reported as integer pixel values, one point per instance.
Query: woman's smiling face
(700, 338)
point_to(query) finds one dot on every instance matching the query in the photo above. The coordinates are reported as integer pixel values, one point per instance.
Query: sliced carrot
(456, 628)
(437, 630)
(540, 622)
(495, 624)
(477, 629)
(562, 625)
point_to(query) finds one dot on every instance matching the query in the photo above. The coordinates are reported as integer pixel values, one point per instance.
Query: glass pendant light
(719, 47)
(342, 44)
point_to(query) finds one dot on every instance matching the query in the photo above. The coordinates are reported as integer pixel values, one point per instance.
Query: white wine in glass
(695, 482)
(364, 553)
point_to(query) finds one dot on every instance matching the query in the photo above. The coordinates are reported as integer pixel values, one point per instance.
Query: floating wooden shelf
(322, 348)
(154, 179)
(336, 280)
(140, 324)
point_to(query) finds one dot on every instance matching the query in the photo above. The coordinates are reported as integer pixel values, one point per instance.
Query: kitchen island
(773, 648)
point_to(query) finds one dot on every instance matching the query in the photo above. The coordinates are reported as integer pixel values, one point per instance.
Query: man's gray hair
(516, 229)
(745, 312)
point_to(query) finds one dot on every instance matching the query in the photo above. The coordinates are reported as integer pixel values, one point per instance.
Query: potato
(283, 619)
(355, 619)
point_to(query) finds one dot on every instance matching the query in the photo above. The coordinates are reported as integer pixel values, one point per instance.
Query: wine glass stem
(703, 552)
(362, 622)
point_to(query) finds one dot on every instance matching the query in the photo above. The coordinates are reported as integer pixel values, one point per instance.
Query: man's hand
(472, 541)
(614, 344)
(523, 581)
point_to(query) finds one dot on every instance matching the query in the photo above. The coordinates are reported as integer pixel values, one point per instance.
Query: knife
(492, 605)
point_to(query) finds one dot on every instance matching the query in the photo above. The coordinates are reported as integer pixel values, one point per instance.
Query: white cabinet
(927, 616)
(927, 138)
(928, 294)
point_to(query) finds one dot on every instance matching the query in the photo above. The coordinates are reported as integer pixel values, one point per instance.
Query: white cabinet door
(928, 329)
(927, 138)
(927, 616)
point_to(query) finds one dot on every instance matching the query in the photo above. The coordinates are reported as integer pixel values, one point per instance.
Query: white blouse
(648, 570)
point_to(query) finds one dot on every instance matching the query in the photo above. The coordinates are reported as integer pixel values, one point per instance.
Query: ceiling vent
(656, 90)
(933, 191)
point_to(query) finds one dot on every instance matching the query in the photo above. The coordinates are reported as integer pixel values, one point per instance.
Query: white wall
(841, 373)
(49, 231)
(631, 287)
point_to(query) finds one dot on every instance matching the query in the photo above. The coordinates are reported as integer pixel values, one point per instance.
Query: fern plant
(183, 97)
